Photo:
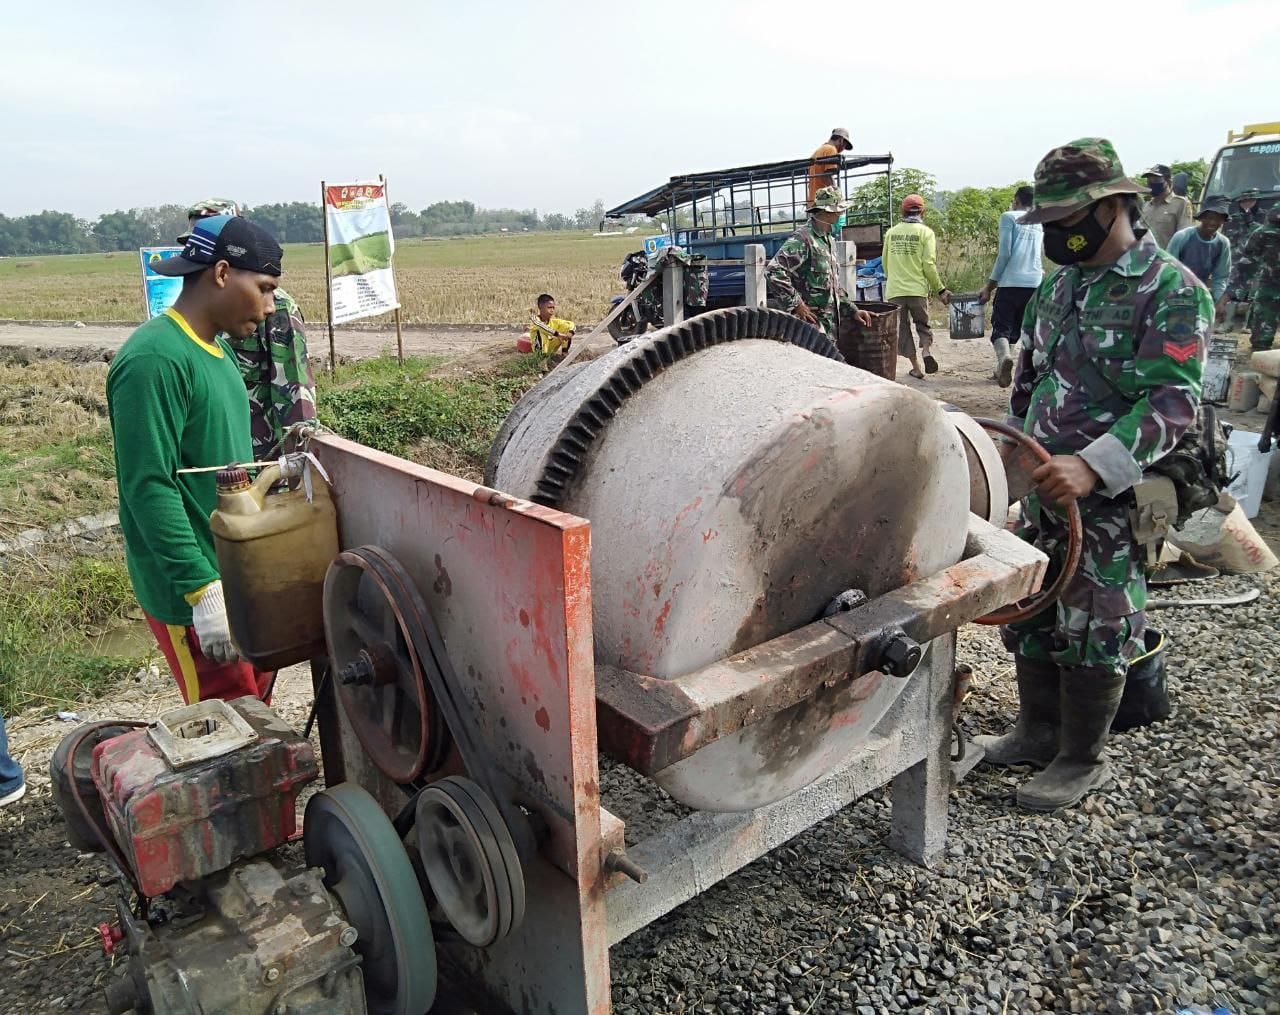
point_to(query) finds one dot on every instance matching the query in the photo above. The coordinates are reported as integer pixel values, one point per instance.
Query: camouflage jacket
(1239, 229)
(1144, 321)
(273, 363)
(804, 268)
(1261, 267)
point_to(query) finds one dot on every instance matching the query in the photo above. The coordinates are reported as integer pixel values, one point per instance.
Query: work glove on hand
(209, 618)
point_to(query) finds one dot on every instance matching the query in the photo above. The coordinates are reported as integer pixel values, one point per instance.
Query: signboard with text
(159, 292)
(360, 248)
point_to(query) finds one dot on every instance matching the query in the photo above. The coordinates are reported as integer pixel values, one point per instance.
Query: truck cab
(1250, 160)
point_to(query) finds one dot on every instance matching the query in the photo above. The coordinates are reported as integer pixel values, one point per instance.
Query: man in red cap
(910, 265)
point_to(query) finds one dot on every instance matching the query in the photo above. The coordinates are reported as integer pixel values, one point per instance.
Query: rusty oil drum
(873, 349)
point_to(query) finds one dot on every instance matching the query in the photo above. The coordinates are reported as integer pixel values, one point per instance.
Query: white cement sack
(1266, 362)
(1224, 539)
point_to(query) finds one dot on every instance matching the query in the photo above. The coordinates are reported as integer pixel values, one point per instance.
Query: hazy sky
(553, 104)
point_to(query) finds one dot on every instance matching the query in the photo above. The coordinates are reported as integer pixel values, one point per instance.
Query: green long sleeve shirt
(175, 402)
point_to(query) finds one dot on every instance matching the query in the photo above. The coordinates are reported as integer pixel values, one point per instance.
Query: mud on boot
(1034, 737)
(1088, 701)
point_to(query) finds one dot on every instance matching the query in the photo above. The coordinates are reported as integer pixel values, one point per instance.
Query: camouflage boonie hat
(208, 207)
(1073, 176)
(828, 199)
(1248, 194)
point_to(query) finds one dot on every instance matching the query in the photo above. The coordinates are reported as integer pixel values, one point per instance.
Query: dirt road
(97, 341)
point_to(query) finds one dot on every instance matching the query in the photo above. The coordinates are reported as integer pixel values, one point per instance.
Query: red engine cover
(178, 825)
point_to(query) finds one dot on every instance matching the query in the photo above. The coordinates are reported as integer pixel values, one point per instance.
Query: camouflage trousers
(1098, 623)
(1263, 318)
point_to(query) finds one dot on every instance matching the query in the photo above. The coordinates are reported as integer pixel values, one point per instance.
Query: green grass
(361, 255)
(444, 422)
(48, 610)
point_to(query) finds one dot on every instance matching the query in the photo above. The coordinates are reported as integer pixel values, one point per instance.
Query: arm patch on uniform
(1182, 351)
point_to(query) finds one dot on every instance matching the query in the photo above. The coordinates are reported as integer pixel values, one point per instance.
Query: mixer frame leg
(919, 794)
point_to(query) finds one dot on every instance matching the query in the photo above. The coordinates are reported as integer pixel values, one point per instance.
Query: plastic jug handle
(267, 478)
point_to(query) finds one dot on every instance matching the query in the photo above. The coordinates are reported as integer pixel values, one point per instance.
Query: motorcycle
(637, 318)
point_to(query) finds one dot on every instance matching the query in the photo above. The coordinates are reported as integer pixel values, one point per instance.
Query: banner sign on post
(360, 248)
(159, 292)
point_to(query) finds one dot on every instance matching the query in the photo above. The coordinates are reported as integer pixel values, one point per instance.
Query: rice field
(463, 280)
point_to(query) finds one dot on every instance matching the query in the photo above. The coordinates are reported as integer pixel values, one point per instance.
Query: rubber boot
(1004, 362)
(1034, 737)
(1088, 703)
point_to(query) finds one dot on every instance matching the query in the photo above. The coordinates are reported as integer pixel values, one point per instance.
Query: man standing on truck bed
(825, 171)
(802, 278)
(911, 267)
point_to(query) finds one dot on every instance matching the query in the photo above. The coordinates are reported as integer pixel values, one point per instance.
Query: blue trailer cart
(712, 216)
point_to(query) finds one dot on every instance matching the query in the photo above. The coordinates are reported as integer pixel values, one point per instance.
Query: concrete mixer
(718, 556)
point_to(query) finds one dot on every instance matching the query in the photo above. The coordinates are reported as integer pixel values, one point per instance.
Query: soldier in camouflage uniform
(1246, 218)
(1261, 273)
(1108, 380)
(803, 277)
(272, 361)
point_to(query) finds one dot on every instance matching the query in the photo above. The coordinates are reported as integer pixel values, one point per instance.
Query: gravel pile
(1164, 887)
(1161, 888)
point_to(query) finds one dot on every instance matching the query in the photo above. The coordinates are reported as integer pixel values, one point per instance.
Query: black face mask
(1073, 244)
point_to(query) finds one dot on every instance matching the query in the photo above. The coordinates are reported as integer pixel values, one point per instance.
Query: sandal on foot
(916, 374)
(930, 365)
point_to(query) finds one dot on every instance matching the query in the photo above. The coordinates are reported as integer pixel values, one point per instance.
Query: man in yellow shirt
(550, 334)
(910, 264)
(826, 162)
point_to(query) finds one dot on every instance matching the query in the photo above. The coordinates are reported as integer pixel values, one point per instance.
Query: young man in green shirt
(177, 401)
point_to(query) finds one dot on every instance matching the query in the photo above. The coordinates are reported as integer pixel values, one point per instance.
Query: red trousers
(200, 678)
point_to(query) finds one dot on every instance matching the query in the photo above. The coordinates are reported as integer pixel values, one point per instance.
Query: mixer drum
(738, 476)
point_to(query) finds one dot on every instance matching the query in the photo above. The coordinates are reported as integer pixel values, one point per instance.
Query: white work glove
(209, 618)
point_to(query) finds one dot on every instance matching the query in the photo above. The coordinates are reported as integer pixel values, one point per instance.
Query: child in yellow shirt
(550, 335)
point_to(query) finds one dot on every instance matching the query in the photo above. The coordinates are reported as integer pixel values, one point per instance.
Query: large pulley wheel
(366, 867)
(470, 860)
(371, 633)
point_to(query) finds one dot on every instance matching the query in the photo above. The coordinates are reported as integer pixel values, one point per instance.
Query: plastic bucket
(1145, 699)
(968, 317)
(1244, 458)
(873, 349)
(1217, 369)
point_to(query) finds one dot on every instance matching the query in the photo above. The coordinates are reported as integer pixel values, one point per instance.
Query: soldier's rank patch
(1182, 351)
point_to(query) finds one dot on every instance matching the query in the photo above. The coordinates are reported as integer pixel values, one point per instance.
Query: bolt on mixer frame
(508, 583)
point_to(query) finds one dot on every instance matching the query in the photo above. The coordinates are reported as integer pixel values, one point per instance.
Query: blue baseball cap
(239, 242)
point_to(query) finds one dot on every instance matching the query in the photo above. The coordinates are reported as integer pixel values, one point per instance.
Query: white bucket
(1243, 457)
(1217, 369)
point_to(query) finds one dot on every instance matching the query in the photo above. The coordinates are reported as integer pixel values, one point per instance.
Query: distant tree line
(56, 232)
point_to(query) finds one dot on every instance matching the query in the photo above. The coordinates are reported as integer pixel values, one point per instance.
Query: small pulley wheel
(377, 672)
(470, 860)
(366, 867)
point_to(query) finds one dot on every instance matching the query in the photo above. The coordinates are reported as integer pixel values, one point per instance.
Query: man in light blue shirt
(1017, 274)
(1205, 249)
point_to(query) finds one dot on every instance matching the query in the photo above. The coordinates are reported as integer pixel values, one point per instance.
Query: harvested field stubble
(465, 280)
